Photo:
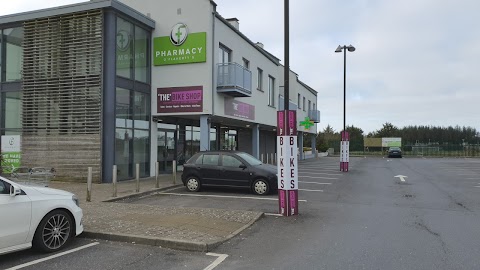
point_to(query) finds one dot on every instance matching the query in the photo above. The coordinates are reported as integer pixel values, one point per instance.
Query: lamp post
(344, 144)
(339, 49)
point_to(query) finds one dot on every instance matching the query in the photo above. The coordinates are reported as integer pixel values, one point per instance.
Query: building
(108, 82)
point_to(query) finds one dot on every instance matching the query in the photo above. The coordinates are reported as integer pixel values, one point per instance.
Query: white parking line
(318, 177)
(273, 214)
(315, 183)
(219, 260)
(52, 257)
(314, 190)
(221, 196)
(317, 170)
(338, 174)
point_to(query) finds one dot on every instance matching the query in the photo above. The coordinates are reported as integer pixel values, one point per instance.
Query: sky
(415, 63)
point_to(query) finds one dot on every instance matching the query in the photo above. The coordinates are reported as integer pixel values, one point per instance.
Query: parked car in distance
(41, 217)
(229, 169)
(394, 152)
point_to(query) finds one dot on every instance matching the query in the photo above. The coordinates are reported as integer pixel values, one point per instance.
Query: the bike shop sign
(11, 152)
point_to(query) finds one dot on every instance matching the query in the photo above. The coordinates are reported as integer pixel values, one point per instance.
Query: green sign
(307, 123)
(10, 161)
(192, 50)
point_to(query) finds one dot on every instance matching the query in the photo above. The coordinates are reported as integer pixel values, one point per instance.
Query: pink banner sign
(282, 202)
(291, 123)
(180, 99)
(239, 109)
(280, 123)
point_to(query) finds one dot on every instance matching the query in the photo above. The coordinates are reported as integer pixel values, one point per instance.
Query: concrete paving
(112, 218)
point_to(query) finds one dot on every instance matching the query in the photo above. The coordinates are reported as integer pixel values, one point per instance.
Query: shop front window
(141, 111)
(123, 153)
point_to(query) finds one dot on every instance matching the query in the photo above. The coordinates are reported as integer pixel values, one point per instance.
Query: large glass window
(12, 40)
(271, 91)
(13, 110)
(132, 140)
(141, 111)
(141, 59)
(124, 118)
(124, 48)
(141, 150)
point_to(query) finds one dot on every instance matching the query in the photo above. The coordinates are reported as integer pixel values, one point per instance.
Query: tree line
(411, 135)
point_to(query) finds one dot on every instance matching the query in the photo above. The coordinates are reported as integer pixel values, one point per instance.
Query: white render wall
(242, 49)
(198, 16)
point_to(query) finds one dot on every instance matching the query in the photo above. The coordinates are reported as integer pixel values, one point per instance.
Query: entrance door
(166, 150)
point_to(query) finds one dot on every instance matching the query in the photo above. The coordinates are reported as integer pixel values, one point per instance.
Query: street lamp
(344, 144)
(339, 49)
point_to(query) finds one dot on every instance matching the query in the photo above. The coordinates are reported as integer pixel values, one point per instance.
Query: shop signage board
(344, 151)
(11, 152)
(239, 109)
(287, 162)
(180, 99)
(181, 47)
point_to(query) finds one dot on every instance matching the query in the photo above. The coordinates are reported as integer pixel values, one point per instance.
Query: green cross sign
(307, 123)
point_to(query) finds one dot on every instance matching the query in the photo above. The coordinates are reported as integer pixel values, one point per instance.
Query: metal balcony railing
(314, 115)
(234, 80)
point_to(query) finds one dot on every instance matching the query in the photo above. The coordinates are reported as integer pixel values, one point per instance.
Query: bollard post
(137, 177)
(267, 157)
(174, 169)
(261, 157)
(89, 185)
(114, 181)
(157, 184)
(275, 159)
(271, 159)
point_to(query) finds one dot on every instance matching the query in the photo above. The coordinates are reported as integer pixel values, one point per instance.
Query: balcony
(234, 80)
(314, 115)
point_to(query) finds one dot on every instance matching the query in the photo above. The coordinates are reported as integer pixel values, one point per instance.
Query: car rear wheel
(193, 184)
(53, 232)
(260, 187)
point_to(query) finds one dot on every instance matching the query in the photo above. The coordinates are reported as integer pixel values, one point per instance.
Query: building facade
(108, 82)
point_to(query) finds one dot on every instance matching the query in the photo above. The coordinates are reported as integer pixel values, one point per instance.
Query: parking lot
(314, 179)
(342, 215)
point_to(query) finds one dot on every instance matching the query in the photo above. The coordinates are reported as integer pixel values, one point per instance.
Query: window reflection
(124, 48)
(12, 40)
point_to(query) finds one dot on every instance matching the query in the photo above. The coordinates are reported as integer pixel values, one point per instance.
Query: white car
(44, 218)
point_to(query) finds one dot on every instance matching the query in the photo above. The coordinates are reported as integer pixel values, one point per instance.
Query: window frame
(260, 79)
(234, 157)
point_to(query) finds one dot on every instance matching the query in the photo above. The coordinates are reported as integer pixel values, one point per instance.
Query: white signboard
(391, 142)
(344, 149)
(11, 143)
(287, 162)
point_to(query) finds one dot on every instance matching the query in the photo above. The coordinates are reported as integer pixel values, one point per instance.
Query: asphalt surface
(364, 219)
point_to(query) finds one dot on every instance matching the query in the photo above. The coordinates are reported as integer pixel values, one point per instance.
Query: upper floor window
(11, 44)
(303, 104)
(314, 108)
(259, 79)
(225, 55)
(309, 105)
(271, 91)
(246, 64)
(298, 100)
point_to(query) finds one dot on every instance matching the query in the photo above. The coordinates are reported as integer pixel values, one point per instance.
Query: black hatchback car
(394, 152)
(229, 169)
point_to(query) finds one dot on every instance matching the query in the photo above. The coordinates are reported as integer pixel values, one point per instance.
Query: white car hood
(48, 191)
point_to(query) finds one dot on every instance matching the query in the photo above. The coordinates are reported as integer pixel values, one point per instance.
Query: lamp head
(339, 49)
(350, 48)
